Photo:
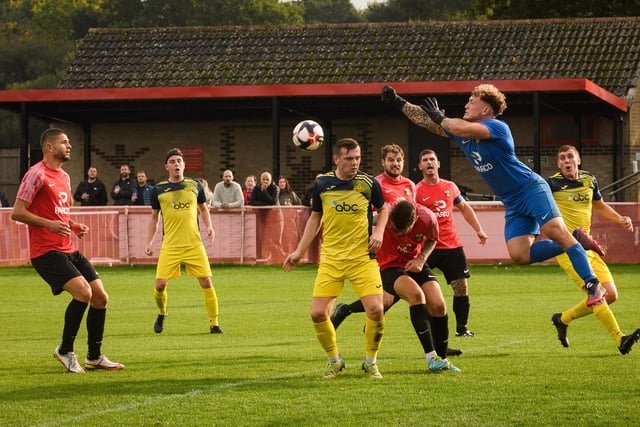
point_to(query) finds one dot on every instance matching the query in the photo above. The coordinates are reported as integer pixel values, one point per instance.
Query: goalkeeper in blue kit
(530, 208)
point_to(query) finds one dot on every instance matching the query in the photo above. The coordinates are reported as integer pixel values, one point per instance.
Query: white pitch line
(155, 400)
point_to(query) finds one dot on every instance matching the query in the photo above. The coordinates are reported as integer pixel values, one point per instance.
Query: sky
(362, 4)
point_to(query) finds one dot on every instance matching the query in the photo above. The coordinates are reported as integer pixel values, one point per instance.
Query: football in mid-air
(308, 135)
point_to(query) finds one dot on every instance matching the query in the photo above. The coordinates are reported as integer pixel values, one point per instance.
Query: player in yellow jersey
(342, 203)
(576, 193)
(180, 200)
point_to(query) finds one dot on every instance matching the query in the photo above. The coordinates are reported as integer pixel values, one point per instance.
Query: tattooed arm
(415, 113)
(418, 116)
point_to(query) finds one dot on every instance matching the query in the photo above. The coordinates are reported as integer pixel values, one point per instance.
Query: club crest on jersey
(419, 238)
(407, 193)
(359, 188)
(447, 193)
(405, 248)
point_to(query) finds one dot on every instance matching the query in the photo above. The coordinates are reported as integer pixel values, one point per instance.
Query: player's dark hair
(403, 215)
(427, 151)
(50, 133)
(173, 152)
(348, 143)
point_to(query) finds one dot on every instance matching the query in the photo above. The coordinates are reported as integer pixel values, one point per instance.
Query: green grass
(265, 370)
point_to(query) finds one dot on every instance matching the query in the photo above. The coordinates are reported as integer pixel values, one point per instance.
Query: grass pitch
(266, 369)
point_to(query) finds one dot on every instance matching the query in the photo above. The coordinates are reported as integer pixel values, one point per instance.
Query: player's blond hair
(492, 96)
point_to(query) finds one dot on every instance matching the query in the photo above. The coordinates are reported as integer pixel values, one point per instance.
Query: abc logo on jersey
(580, 197)
(344, 207)
(180, 205)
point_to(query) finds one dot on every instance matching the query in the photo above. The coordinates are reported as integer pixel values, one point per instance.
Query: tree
(330, 11)
(527, 9)
(417, 10)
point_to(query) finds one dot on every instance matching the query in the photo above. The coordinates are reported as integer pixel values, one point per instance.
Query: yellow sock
(373, 332)
(326, 335)
(576, 312)
(608, 320)
(211, 304)
(161, 300)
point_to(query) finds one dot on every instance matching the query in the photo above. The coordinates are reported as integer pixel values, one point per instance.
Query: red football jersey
(441, 198)
(397, 250)
(395, 191)
(48, 193)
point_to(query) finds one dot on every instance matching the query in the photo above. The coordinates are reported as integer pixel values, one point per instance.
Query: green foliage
(330, 11)
(416, 10)
(180, 13)
(265, 370)
(528, 9)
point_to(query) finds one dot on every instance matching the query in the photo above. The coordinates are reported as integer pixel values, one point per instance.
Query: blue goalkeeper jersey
(495, 159)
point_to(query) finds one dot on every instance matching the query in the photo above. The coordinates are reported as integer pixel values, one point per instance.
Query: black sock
(461, 310)
(356, 307)
(72, 320)
(440, 333)
(95, 331)
(418, 314)
(396, 298)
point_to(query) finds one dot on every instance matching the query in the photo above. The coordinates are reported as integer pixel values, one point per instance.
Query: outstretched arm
(414, 112)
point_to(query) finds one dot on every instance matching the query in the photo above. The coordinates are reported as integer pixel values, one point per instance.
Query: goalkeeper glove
(389, 96)
(430, 107)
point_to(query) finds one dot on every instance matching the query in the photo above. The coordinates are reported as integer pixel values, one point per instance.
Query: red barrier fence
(264, 235)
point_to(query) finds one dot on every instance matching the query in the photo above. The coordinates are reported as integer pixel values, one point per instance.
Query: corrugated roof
(605, 51)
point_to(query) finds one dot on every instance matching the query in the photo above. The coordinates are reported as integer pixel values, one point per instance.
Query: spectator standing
(44, 204)
(265, 194)
(249, 183)
(91, 191)
(142, 193)
(286, 195)
(4, 202)
(123, 188)
(227, 193)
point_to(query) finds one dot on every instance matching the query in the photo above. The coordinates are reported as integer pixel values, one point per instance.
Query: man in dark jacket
(91, 191)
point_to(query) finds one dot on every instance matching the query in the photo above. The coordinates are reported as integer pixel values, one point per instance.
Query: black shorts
(452, 263)
(390, 275)
(57, 268)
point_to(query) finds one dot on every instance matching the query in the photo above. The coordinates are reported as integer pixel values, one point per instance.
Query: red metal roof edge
(320, 89)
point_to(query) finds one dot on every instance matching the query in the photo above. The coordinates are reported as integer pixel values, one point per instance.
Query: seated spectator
(142, 193)
(249, 183)
(265, 194)
(286, 195)
(227, 193)
(91, 191)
